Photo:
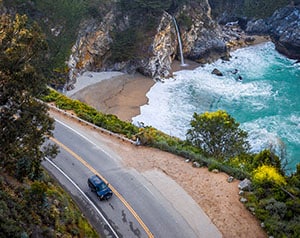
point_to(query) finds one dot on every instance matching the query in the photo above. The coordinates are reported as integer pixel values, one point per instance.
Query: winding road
(140, 207)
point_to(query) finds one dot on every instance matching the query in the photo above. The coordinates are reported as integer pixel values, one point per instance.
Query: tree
(218, 135)
(24, 122)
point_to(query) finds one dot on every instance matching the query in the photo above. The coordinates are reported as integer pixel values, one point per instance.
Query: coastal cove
(189, 111)
(265, 102)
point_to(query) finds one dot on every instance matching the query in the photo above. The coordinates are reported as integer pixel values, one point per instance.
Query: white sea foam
(266, 104)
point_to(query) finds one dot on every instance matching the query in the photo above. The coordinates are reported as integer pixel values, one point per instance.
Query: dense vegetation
(24, 122)
(30, 204)
(218, 135)
(248, 8)
(39, 209)
(60, 21)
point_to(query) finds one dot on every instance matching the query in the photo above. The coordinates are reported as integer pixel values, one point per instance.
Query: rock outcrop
(201, 42)
(92, 46)
(217, 72)
(92, 49)
(283, 27)
(163, 49)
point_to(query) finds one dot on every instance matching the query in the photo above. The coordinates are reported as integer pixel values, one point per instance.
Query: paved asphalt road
(137, 208)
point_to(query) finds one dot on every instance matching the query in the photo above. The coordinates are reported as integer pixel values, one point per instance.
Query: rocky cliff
(200, 34)
(202, 39)
(151, 50)
(140, 35)
(284, 28)
(278, 19)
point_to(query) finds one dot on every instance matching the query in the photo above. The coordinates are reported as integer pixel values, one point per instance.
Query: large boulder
(217, 72)
(245, 185)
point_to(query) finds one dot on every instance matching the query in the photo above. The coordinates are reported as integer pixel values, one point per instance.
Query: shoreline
(123, 94)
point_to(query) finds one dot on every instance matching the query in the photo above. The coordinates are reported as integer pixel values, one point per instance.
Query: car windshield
(101, 186)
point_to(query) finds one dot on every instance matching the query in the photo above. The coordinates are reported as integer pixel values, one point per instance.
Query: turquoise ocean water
(266, 102)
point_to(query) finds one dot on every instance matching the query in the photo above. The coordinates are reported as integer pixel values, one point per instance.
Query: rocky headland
(208, 31)
(284, 29)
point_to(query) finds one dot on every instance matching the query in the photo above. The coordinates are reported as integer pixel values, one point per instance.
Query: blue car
(98, 186)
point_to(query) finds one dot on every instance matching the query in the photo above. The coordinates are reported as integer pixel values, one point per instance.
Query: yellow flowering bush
(267, 173)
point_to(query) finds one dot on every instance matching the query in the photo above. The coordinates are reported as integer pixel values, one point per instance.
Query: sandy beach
(121, 95)
(117, 93)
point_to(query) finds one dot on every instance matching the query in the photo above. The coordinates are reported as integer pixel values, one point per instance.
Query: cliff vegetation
(39, 209)
(139, 35)
(246, 8)
(31, 204)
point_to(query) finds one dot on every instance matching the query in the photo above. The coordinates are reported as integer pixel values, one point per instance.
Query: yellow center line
(122, 199)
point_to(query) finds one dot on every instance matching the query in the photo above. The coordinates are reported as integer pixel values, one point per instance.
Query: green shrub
(213, 165)
(266, 157)
(64, 103)
(42, 205)
(185, 21)
(51, 96)
(90, 114)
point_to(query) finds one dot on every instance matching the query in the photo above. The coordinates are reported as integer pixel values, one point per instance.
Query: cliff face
(140, 35)
(279, 19)
(162, 50)
(202, 40)
(284, 28)
(92, 46)
(130, 40)
(96, 42)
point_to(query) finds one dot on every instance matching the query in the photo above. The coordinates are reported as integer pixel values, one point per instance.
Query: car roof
(95, 178)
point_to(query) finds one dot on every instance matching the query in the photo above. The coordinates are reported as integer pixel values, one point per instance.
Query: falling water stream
(179, 42)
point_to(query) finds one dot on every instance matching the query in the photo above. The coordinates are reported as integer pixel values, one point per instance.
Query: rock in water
(217, 72)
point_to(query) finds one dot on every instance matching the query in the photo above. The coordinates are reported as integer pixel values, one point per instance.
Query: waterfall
(179, 42)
